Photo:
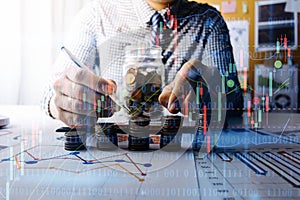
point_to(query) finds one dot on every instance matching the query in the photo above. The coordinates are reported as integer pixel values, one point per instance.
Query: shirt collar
(143, 11)
(165, 16)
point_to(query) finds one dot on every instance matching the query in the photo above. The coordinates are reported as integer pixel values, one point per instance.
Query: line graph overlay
(126, 175)
(36, 159)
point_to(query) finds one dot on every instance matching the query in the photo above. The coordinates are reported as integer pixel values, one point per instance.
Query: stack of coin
(154, 141)
(123, 140)
(170, 137)
(106, 134)
(139, 136)
(74, 140)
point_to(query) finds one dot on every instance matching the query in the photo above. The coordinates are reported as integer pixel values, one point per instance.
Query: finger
(58, 84)
(175, 106)
(188, 97)
(80, 92)
(73, 105)
(72, 119)
(172, 103)
(174, 100)
(77, 98)
(180, 81)
(163, 98)
(87, 78)
(103, 108)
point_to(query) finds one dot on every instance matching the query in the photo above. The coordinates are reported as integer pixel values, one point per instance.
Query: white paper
(239, 37)
(292, 6)
(228, 6)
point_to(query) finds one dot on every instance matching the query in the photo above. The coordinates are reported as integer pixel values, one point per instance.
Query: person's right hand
(81, 96)
(171, 95)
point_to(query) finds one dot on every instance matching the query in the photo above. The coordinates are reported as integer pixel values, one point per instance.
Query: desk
(244, 165)
(34, 165)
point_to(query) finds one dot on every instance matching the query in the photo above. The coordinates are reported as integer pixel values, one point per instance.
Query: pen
(74, 59)
(83, 66)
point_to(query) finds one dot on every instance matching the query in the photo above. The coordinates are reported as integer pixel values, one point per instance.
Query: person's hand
(176, 95)
(81, 96)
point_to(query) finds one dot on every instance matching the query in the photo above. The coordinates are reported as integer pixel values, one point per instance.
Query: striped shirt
(103, 29)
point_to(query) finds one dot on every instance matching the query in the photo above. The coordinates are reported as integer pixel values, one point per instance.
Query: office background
(33, 32)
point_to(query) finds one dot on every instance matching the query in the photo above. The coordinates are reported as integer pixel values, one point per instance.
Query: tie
(156, 21)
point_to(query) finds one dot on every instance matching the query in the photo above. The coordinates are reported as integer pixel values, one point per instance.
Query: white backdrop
(31, 36)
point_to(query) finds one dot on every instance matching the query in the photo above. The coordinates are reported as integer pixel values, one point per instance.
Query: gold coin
(136, 95)
(129, 78)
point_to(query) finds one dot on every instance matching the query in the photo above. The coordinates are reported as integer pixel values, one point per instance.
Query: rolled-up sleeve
(80, 39)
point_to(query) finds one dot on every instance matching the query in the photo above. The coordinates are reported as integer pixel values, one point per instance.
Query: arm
(216, 54)
(74, 93)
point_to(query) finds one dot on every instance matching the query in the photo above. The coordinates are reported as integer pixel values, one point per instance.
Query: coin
(129, 78)
(137, 95)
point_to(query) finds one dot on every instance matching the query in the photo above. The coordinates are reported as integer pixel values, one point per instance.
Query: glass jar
(144, 78)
